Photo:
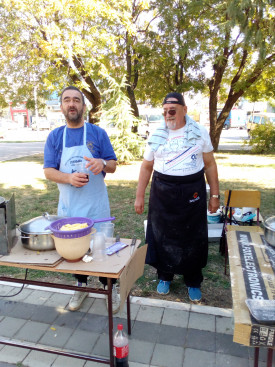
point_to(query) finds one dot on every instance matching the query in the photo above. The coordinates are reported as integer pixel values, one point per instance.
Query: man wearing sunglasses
(179, 154)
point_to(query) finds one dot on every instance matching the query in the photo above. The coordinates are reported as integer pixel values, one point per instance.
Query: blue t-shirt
(97, 142)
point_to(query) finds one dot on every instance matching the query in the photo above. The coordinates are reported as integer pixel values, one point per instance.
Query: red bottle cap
(119, 327)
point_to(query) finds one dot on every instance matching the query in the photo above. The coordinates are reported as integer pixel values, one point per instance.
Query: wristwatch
(215, 196)
(104, 163)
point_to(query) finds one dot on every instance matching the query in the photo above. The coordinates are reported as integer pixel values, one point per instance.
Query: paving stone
(175, 317)
(62, 361)
(38, 297)
(200, 339)
(101, 347)
(224, 325)
(56, 336)
(23, 311)
(31, 331)
(6, 306)
(9, 326)
(201, 321)
(69, 319)
(93, 364)
(225, 345)
(140, 351)
(135, 364)
(22, 295)
(13, 354)
(133, 312)
(82, 341)
(145, 331)
(172, 335)
(260, 364)
(200, 358)
(150, 314)
(95, 323)
(39, 359)
(58, 300)
(167, 356)
(6, 289)
(116, 321)
(98, 307)
(7, 364)
(45, 314)
(262, 354)
(223, 360)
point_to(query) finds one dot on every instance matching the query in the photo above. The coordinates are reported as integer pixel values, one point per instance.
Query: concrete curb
(150, 302)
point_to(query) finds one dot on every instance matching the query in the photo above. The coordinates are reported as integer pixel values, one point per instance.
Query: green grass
(35, 195)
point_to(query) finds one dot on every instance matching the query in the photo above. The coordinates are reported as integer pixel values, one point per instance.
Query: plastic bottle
(121, 347)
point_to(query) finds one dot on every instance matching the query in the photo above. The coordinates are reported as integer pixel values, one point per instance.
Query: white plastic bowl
(73, 249)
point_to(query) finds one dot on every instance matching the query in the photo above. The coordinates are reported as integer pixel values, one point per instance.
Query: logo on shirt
(195, 198)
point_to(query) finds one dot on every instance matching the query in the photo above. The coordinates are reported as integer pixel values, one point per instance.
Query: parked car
(238, 118)
(43, 124)
(150, 120)
(259, 119)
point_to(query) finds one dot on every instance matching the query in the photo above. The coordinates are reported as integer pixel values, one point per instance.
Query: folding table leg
(269, 357)
(256, 356)
(110, 316)
(129, 315)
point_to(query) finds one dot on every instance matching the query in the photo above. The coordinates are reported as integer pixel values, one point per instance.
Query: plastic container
(213, 218)
(121, 347)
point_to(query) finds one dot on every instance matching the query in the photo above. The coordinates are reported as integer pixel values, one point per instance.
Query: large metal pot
(33, 233)
(269, 231)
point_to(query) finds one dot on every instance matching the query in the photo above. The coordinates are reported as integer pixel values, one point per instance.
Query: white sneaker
(77, 300)
(115, 300)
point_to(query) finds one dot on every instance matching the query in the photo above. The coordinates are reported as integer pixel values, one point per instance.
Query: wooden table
(252, 273)
(127, 265)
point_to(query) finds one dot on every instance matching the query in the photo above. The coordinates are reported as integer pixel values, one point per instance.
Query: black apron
(177, 233)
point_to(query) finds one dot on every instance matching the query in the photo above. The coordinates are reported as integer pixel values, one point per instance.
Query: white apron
(89, 201)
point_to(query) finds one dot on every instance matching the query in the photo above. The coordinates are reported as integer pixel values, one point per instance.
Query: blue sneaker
(163, 287)
(194, 294)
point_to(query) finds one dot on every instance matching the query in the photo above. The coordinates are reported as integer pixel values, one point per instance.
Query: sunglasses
(171, 112)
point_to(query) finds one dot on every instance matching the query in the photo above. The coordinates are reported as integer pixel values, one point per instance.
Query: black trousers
(84, 278)
(191, 279)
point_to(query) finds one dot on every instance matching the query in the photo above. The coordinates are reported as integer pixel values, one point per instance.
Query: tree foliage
(117, 110)
(224, 49)
(58, 42)
(224, 46)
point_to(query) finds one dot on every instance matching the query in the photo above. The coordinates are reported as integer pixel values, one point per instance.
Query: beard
(74, 116)
(171, 124)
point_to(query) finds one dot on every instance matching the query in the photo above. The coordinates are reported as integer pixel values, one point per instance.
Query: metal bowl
(269, 230)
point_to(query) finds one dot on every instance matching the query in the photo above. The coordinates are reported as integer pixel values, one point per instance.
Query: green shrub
(262, 139)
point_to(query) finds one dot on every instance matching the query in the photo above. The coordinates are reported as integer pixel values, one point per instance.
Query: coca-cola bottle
(121, 347)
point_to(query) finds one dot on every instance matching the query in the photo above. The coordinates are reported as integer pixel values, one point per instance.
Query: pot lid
(37, 225)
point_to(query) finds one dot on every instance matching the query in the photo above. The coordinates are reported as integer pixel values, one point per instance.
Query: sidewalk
(164, 334)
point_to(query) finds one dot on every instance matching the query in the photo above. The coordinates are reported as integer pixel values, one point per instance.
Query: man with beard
(79, 195)
(180, 153)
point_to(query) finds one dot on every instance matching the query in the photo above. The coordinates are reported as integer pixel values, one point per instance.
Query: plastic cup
(99, 247)
(81, 168)
(108, 230)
